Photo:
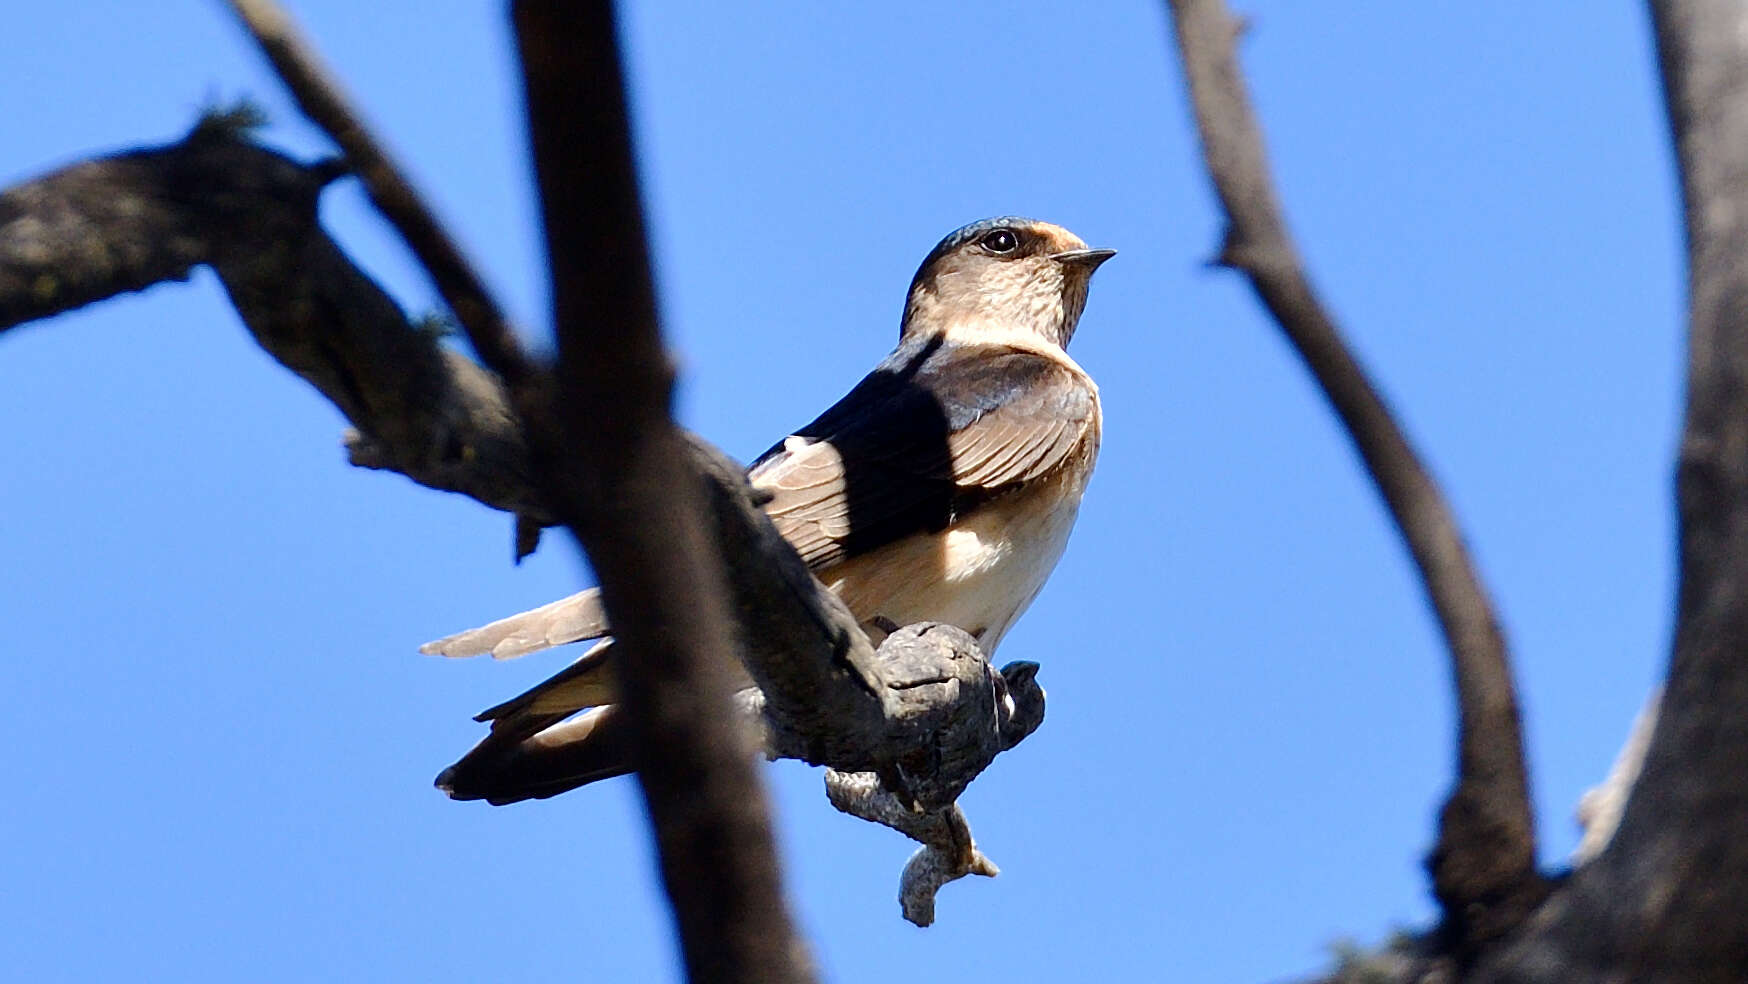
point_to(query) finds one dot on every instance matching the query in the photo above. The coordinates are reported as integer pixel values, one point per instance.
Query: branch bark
(1483, 865)
(1665, 900)
(121, 223)
(624, 483)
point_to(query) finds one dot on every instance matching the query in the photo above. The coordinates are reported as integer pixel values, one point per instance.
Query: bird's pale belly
(979, 574)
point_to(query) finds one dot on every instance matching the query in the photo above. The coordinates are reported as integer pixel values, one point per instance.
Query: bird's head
(1003, 276)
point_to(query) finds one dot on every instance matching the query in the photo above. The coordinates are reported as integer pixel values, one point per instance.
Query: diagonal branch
(322, 100)
(124, 222)
(1483, 866)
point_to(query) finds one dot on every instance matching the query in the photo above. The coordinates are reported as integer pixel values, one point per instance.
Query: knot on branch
(952, 712)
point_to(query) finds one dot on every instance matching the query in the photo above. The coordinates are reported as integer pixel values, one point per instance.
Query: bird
(942, 487)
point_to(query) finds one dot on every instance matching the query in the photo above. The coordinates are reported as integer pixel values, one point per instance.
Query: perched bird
(941, 488)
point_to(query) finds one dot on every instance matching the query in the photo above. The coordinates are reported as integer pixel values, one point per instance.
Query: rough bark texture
(119, 223)
(1483, 865)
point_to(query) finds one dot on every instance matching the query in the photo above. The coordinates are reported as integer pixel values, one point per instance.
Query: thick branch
(1483, 866)
(125, 222)
(120, 223)
(612, 464)
(1665, 900)
(630, 493)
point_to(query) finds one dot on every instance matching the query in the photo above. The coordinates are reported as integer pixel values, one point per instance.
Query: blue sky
(221, 736)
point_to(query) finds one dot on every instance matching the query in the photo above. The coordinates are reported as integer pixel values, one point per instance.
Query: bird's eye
(1001, 241)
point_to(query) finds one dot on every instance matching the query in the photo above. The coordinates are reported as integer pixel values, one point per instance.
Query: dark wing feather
(932, 432)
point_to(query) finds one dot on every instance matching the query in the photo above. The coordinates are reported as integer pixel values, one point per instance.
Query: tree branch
(1483, 865)
(436, 416)
(1665, 899)
(120, 223)
(629, 493)
(326, 104)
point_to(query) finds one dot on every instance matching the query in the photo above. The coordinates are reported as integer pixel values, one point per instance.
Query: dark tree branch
(1667, 899)
(1483, 865)
(635, 503)
(123, 223)
(120, 223)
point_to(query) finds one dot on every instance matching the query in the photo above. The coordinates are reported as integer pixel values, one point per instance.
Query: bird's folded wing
(578, 617)
(920, 442)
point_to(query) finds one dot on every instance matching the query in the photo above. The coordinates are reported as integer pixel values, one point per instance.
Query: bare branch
(615, 468)
(632, 496)
(1483, 866)
(120, 223)
(322, 100)
(123, 223)
(829, 698)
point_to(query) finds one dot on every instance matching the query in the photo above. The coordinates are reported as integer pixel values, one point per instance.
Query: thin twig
(948, 851)
(1484, 863)
(323, 101)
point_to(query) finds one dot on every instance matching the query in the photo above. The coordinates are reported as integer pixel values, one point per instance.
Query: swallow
(943, 488)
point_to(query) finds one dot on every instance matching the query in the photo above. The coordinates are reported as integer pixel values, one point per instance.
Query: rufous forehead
(1059, 238)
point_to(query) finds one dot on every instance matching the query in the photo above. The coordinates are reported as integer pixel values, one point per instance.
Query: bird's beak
(1088, 258)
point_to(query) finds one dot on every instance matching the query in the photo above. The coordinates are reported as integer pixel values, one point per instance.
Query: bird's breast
(980, 573)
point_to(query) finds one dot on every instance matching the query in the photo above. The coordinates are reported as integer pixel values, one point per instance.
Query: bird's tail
(573, 753)
(532, 752)
(573, 619)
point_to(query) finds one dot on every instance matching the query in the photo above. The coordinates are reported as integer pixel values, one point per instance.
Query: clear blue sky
(220, 736)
